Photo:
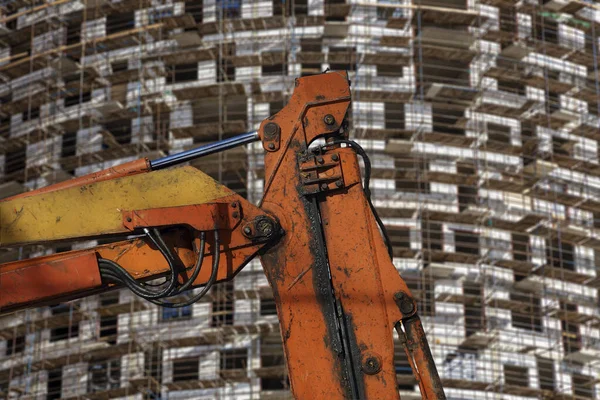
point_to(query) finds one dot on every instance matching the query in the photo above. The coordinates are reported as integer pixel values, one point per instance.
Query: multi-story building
(482, 121)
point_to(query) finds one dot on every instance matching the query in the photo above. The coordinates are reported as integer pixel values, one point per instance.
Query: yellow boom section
(95, 209)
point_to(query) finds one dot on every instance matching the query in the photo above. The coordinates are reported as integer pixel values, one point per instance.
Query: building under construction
(482, 121)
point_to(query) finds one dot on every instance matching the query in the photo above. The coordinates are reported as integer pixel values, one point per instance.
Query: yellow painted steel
(95, 209)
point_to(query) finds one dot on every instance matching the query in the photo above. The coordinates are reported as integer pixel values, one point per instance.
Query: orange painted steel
(54, 274)
(306, 330)
(140, 259)
(131, 168)
(364, 279)
(33, 283)
(419, 355)
(338, 295)
(368, 286)
(202, 217)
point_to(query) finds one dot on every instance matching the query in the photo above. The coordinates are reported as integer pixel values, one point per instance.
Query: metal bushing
(271, 130)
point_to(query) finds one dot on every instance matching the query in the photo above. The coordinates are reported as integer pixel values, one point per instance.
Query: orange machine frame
(338, 294)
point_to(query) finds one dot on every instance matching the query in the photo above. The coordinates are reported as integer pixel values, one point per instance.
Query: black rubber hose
(118, 272)
(115, 273)
(157, 239)
(205, 289)
(197, 266)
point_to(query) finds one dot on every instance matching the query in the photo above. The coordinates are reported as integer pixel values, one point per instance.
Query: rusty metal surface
(296, 267)
(364, 280)
(202, 217)
(418, 350)
(338, 295)
(131, 168)
(69, 275)
(25, 284)
(321, 173)
(96, 208)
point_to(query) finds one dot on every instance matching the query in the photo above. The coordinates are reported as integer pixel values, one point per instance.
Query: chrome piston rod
(205, 150)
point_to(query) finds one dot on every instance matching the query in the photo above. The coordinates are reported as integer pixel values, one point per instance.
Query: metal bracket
(406, 304)
(261, 228)
(320, 173)
(271, 137)
(202, 217)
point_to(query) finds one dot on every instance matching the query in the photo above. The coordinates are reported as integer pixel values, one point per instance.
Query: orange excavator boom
(323, 248)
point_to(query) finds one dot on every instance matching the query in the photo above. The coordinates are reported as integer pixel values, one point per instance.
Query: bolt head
(128, 219)
(247, 230)
(271, 129)
(407, 306)
(335, 157)
(371, 366)
(233, 205)
(320, 160)
(339, 183)
(324, 186)
(329, 119)
(405, 303)
(236, 214)
(271, 146)
(265, 227)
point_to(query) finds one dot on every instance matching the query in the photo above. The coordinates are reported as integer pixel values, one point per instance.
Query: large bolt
(247, 231)
(320, 160)
(407, 307)
(371, 366)
(324, 186)
(335, 157)
(329, 119)
(405, 303)
(271, 129)
(339, 183)
(265, 227)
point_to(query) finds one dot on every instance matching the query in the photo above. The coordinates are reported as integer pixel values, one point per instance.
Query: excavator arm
(323, 247)
(182, 207)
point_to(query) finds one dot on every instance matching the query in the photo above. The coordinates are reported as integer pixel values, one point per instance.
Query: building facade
(482, 121)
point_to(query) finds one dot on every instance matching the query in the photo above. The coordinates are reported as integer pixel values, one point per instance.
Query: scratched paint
(95, 208)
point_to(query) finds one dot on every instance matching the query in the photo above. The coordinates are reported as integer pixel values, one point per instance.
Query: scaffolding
(482, 120)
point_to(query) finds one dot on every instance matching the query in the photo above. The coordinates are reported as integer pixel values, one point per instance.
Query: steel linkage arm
(338, 295)
(177, 221)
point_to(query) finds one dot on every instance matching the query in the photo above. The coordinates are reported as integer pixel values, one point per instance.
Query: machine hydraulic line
(323, 247)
